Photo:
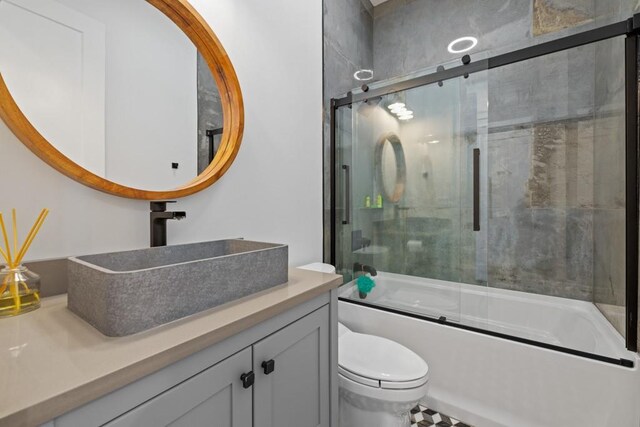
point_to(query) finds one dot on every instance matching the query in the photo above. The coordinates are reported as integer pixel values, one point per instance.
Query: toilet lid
(380, 359)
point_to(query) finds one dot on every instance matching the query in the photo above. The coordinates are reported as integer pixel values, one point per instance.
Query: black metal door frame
(632, 188)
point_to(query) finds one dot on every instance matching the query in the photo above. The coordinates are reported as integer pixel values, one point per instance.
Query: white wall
(273, 192)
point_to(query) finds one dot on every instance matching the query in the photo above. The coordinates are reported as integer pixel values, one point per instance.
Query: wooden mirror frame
(206, 42)
(401, 166)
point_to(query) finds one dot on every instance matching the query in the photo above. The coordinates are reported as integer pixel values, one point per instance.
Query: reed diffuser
(19, 287)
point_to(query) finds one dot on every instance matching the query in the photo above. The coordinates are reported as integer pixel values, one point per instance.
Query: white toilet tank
(320, 267)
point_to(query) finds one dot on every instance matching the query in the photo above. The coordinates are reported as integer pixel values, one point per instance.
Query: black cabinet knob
(268, 366)
(248, 379)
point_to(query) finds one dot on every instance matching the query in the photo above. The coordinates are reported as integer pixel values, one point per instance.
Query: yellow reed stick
(4, 285)
(15, 293)
(6, 241)
(24, 285)
(32, 235)
(4, 255)
(15, 230)
(27, 291)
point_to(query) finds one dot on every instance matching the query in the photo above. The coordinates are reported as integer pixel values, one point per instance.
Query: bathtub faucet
(357, 267)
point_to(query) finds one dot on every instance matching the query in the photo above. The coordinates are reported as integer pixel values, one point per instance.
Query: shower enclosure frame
(629, 28)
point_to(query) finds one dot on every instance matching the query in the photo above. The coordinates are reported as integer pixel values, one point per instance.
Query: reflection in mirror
(114, 85)
(391, 168)
(209, 116)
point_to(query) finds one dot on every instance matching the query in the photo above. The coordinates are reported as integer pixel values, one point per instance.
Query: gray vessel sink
(121, 293)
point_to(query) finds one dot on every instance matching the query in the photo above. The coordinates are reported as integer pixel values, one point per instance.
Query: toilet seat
(378, 362)
(389, 385)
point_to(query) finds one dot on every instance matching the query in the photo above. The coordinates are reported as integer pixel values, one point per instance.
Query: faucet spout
(357, 267)
(158, 218)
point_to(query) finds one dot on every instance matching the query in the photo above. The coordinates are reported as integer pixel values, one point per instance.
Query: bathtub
(494, 381)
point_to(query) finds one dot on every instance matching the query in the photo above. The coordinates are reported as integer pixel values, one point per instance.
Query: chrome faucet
(158, 221)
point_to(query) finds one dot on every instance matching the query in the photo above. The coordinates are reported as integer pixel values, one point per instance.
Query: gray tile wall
(410, 35)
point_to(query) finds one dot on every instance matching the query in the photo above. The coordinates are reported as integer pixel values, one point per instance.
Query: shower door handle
(347, 195)
(476, 189)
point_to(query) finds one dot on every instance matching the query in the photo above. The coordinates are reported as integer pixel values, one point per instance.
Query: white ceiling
(377, 2)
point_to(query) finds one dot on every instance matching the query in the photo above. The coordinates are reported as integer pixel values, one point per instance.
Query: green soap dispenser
(379, 200)
(367, 202)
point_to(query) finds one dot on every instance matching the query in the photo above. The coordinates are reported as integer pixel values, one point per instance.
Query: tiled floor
(422, 416)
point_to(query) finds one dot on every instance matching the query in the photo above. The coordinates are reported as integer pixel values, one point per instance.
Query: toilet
(380, 380)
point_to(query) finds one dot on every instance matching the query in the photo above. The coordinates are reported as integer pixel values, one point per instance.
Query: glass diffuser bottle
(19, 291)
(19, 287)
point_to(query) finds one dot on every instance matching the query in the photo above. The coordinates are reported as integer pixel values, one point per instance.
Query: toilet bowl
(380, 380)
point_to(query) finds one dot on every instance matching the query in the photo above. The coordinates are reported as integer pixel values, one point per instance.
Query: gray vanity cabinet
(290, 386)
(214, 397)
(291, 360)
(292, 375)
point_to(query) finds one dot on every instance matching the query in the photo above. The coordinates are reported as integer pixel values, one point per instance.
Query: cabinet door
(212, 398)
(292, 387)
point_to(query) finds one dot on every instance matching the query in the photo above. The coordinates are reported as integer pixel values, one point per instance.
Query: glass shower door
(504, 200)
(556, 218)
(404, 198)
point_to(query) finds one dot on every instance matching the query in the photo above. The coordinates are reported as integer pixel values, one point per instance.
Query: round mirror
(390, 166)
(132, 97)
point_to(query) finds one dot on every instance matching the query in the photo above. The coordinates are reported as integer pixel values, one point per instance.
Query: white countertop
(51, 361)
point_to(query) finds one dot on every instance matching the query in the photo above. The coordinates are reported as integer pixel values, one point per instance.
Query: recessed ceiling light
(405, 117)
(363, 75)
(464, 44)
(433, 141)
(396, 106)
